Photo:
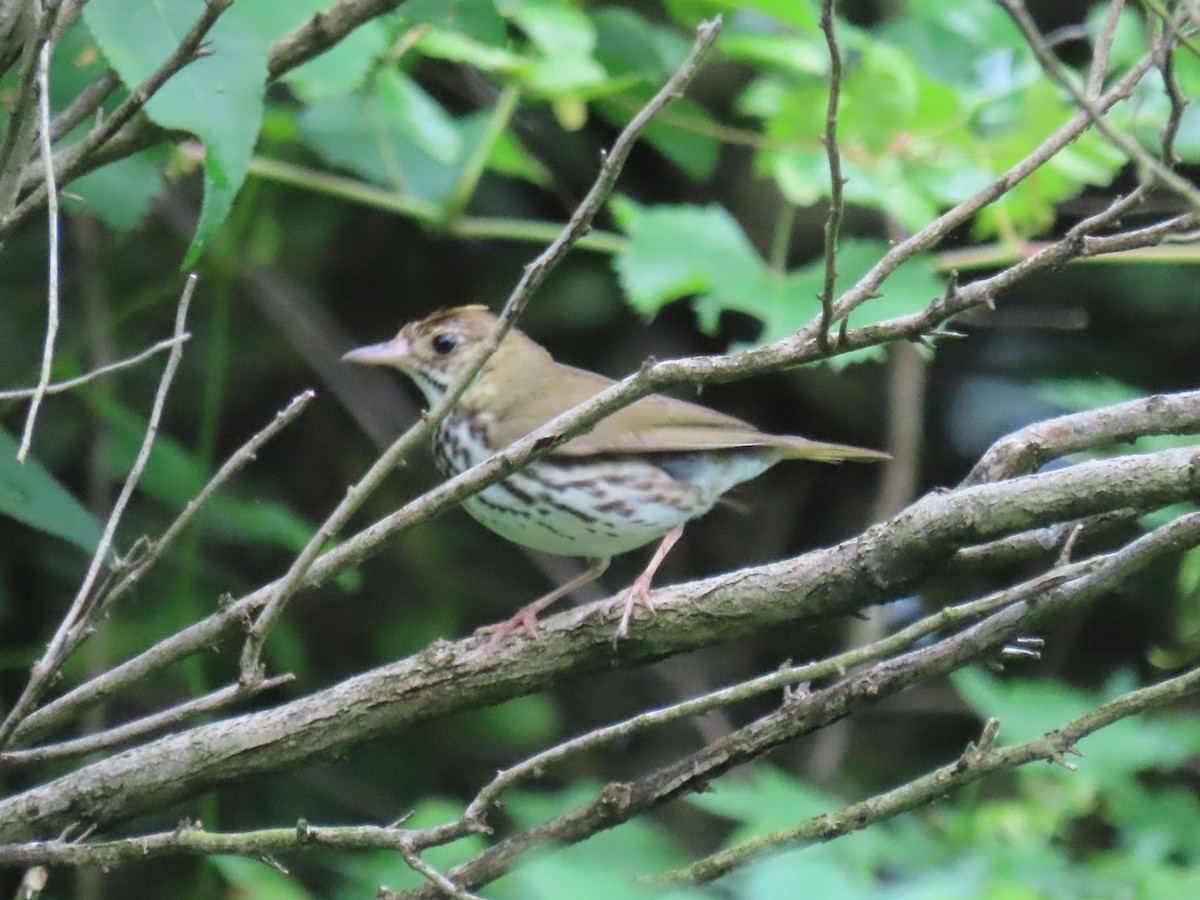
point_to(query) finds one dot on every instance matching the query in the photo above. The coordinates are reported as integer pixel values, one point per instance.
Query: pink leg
(639, 591)
(526, 616)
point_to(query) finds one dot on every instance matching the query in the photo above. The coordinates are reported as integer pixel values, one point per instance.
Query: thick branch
(453, 676)
(1033, 446)
(806, 713)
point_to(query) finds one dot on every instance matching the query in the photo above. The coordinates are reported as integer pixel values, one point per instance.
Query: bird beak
(388, 353)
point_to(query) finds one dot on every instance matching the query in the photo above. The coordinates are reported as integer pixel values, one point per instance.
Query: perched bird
(636, 477)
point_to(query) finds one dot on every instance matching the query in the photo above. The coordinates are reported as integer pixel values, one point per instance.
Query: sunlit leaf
(218, 97)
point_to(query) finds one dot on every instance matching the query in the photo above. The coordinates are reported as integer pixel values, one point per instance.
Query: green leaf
(363, 133)
(801, 16)
(343, 67)
(680, 251)
(119, 193)
(1086, 393)
(218, 98)
(454, 47)
(564, 39)
(254, 878)
(675, 251)
(477, 19)
(767, 800)
(972, 44)
(417, 116)
(30, 494)
(805, 55)
(556, 29)
(627, 44)
(509, 157)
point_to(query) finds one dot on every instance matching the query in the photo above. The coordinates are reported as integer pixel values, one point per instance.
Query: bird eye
(443, 343)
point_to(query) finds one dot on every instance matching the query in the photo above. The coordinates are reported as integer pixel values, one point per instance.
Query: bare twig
(1098, 70)
(1124, 142)
(532, 278)
(140, 728)
(190, 839)
(946, 619)
(1165, 42)
(798, 715)
(1032, 446)
(44, 669)
(29, 29)
(59, 387)
(833, 224)
(444, 885)
(47, 152)
(237, 461)
(85, 103)
(976, 762)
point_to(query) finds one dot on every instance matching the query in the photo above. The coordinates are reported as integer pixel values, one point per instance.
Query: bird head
(435, 350)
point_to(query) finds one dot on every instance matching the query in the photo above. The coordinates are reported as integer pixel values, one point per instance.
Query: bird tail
(803, 448)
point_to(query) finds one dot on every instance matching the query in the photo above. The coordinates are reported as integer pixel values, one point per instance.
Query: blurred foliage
(353, 188)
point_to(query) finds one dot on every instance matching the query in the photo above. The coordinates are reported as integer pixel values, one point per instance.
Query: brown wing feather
(654, 424)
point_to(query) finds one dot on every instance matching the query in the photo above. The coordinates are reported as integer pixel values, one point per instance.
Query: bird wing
(654, 424)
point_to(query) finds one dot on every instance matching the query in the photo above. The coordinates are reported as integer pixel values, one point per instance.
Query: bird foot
(526, 618)
(638, 594)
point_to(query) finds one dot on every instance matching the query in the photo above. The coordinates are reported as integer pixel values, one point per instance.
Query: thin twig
(85, 103)
(237, 461)
(139, 728)
(1126, 143)
(47, 150)
(447, 887)
(833, 224)
(532, 278)
(976, 762)
(190, 839)
(1098, 70)
(44, 669)
(1165, 43)
(29, 30)
(802, 714)
(59, 387)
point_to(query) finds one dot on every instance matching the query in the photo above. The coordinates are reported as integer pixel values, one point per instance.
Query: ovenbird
(636, 477)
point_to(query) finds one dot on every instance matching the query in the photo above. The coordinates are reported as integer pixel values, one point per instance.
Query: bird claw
(637, 595)
(525, 618)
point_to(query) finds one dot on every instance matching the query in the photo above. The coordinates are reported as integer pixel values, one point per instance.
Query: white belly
(601, 506)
